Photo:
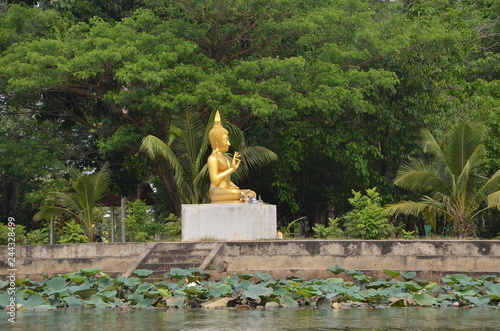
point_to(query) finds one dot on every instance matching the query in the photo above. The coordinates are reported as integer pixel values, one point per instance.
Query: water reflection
(279, 319)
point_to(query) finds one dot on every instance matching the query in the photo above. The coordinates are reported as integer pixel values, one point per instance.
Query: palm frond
(494, 200)
(422, 177)
(431, 145)
(252, 159)
(48, 212)
(491, 186)
(463, 142)
(92, 188)
(406, 208)
(66, 200)
(154, 147)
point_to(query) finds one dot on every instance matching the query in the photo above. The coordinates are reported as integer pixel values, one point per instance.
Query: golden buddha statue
(222, 189)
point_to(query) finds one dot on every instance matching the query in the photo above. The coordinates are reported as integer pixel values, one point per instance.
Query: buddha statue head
(218, 136)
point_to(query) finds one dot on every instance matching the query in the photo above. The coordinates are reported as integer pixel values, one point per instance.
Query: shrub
(330, 231)
(367, 219)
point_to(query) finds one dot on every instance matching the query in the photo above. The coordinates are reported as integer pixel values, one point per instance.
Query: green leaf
(288, 302)
(175, 302)
(336, 270)
(90, 271)
(303, 292)
(478, 301)
(256, 291)
(73, 302)
(494, 291)
(391, 273)
(412, 286)
(408, 275)
(164, 293)
(4, 300)
(143, 273)
(264, 276)
(75, 277)
(324, 303)
(56, 285)
(34, 301)
(132, 282)
(220, 290)
(142, 288)
(178, 273)
(425, 299)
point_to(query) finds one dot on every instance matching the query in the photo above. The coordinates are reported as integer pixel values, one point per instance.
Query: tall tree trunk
(124, 215)
(173, 194)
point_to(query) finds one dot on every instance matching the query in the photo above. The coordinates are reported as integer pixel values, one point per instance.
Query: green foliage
(184, 288)
(330, 231)
(367, 219)
(80, 206)
(72, 233)
(295, 76)
(453, 182)
(173, 228)
(138, 217)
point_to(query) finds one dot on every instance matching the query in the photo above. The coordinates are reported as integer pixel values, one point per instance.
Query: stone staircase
(162, 257)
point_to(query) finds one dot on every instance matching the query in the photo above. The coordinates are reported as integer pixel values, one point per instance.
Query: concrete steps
(164, 257)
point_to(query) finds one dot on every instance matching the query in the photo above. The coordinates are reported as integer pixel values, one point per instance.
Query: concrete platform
(230, 221)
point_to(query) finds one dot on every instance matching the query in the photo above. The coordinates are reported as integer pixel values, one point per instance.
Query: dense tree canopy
(338, 89)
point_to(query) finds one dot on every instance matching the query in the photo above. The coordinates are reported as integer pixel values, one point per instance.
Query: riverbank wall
(430, 259)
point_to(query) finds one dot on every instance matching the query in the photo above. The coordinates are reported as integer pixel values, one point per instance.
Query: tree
(81, 204)
(186, 152)
(453, 180)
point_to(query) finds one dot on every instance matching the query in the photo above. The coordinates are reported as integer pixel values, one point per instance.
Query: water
(279, 319)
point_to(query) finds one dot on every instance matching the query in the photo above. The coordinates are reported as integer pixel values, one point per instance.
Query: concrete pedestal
(229, 221)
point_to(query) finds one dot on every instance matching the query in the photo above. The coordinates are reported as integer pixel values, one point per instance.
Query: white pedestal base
(228, 221)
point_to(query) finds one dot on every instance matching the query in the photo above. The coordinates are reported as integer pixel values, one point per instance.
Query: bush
(367, 219)
(330, 231)
(73, 233)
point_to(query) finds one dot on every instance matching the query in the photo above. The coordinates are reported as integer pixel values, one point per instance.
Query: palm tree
(186, 152)
(80, 205)
(454, 183)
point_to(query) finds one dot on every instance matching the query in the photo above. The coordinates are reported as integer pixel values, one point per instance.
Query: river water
(277, 319)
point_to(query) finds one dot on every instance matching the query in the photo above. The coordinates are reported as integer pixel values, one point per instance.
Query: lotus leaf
(408, 275)
(425, 299)
(279, 290)
(242, 286)
(412, 286)
(177, 273)
(56, 285)
(256, 291)
(478, 301)
(494, 291)
(73, 302)
(4, 300)
(143, 273)
(391, 273)
(220, 290)
(4, 284)
(90, 271)
(288, 302)
(132, 282)
(336, 270)
(164, 293)
(142, 288)
(464, 293)
(324, 303)
(264, 276)
(35, 301)
(175, 302)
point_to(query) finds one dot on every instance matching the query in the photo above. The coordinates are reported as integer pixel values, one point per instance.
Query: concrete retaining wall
(33, 260)
(430, 259)
(308, 258)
